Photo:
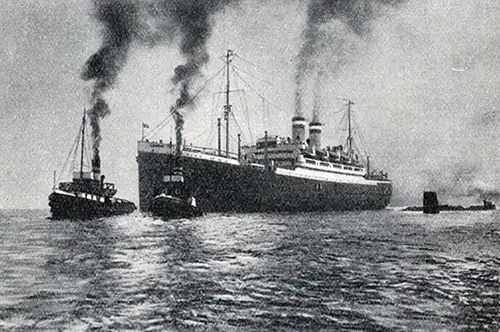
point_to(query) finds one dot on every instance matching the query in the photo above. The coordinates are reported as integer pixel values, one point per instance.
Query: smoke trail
(152, 23)
(192, 20)
(485, 194)
(119, 19)
(459, 182)
(354, 14)
(97, 112)
(317, 97)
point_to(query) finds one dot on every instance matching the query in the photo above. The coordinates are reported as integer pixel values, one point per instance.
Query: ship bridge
(279, 151)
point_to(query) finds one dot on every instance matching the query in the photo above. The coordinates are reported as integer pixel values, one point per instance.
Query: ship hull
(224, 187)
(68, 206)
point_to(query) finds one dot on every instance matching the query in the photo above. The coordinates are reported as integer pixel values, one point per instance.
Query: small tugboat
(175, 200)
(87, 196)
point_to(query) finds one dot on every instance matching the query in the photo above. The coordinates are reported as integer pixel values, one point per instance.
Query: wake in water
(370, 271)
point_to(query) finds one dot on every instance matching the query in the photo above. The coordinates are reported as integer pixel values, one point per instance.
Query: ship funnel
(298, 129)
(179, 123)
(315, 134)
(96, 167)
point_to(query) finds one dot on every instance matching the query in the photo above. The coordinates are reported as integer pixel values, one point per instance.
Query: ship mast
(349, 137)
(227, 107)
(83, 144)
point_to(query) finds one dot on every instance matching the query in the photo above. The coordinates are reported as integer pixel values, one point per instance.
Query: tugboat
(175, 200)
(87, 196)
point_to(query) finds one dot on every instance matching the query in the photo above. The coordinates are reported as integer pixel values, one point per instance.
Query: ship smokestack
(96, 167)
(298, 129)
(179, 124)
(315, 134)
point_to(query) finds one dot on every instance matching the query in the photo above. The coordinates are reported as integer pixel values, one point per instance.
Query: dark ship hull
(87, 196)
(220, 184)
(276, 174)
(68, 206)
(169, 207)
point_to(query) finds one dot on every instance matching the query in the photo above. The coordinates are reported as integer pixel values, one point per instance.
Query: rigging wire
(211, 135)
(87, 153)
(208, 140)
(170, 115)
(244, 107)
(247, 117)
(252, 75)
(159, 127)
(265, 102)
(233, 139)
(203, 133)
(215, 105)
(359, 134)
(238, 125)
(340, 129)
(249, 62)
(256, 92)
(73, 151)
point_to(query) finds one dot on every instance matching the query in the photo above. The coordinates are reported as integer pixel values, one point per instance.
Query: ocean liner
(275, 174)
(87, 196)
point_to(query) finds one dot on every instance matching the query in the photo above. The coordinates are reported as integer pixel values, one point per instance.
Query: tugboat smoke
(355, 14)
(151, 23)
(119, 19)
(193, 22)
(97, 112)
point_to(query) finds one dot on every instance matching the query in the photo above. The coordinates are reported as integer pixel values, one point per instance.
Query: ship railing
(209, 151)
(328, 166)
(169, 148)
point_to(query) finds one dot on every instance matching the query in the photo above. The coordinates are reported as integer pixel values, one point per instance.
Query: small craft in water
(430, 201)
(87, 196)
(175, 200)
(431, 205)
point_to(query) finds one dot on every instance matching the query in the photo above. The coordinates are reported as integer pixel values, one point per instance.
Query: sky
(424, 76)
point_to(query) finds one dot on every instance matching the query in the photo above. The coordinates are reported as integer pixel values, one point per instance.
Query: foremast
(83, 144)
(227, 106)
(349, 129)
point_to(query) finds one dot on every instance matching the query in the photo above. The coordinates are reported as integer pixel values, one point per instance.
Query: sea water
(338, 271)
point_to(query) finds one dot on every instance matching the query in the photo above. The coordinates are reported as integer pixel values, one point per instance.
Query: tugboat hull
(169, 207)
(70, 206)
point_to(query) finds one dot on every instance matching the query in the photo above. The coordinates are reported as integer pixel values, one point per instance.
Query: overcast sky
(425, 81)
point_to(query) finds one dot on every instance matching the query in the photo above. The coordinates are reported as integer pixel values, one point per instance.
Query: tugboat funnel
(96, 167)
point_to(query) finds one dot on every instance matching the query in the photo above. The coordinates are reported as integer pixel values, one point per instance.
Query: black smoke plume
(192, 21)
(355, 14)
(119, 20)
(97, 112)
(152, 23)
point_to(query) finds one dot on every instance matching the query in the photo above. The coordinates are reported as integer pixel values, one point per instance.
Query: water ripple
(367, 271)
